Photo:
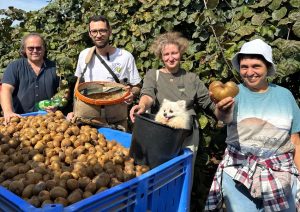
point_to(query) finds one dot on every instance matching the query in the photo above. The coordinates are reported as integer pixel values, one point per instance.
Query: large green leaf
(199, 55)
(203, 121)
(167, 25)
(279, 14)
(147, 16)
(294, 15)
(168, 14)
(295, 3)
(245, 30)
(212, 4)
(193, 48)
(296, 29)
(262, 3)
(182, 16)
(210, 16)
(175, 2)
(246, 12)
(164, 2)
(284, 21)
(145, 28)
(192, 17)
(186, 2)
(187, 65)
(144, 54)
(258, 19)
(275, 4)
(287, 67)
(219, 29)
(200, 20)
(288, 48)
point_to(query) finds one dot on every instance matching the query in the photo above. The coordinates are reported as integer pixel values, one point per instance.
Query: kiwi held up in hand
(221, 91)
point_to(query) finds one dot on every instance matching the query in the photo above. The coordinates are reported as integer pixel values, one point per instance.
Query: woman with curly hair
(173, 83)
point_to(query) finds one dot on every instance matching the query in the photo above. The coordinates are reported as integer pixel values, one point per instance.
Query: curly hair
(168, 38)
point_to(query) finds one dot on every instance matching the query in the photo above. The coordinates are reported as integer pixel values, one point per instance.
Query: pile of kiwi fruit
(46, 159)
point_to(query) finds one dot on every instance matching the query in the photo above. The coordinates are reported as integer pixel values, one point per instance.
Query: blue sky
(27, 5)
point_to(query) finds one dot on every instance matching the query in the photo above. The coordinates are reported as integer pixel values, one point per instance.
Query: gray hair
(24, 39)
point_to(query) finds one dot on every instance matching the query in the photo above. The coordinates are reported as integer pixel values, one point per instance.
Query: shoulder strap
(86, 61)
(157, 74)
(88, 58)
(108, 68)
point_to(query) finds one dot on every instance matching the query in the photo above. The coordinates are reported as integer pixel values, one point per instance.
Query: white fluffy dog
(174, 114)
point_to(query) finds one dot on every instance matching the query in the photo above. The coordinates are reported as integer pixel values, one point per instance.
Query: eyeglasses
(37, 48)
(95, 32)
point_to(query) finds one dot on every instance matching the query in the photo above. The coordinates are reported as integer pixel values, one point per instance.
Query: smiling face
(34, 49)
(254, 74)
(99, 33)
(171, 57)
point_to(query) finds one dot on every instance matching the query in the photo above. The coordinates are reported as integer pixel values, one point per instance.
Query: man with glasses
(28, 80)
(103, 57)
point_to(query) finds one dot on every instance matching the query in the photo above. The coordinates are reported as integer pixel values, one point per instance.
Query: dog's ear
(182, 103)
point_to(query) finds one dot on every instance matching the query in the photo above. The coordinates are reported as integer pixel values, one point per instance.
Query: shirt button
(36, 86)
(36, 95)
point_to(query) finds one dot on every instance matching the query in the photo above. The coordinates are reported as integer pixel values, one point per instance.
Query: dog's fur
(173, 114)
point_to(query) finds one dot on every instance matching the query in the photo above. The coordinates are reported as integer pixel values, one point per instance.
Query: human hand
(136, 109)
(224, 109)
(129, 99)
(70, 116)
(225, 105)
(50, 109)
(8, 116)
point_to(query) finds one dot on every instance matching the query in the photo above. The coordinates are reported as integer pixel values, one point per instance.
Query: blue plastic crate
(164, 188)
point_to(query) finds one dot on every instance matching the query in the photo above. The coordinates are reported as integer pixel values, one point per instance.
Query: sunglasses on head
(37, 48)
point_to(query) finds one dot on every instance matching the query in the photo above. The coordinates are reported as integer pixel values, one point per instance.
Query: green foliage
(217, 29)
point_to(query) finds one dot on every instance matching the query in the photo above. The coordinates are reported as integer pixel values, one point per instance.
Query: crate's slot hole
(142, 195)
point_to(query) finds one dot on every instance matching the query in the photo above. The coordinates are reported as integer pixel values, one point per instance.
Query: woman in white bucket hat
(260, 168)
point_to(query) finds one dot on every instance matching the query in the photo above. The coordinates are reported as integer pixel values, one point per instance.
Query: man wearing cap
(260, 168)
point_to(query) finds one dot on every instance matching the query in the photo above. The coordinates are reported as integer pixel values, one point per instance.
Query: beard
(102, 44)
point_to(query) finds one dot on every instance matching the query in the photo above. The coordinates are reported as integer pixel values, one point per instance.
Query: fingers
(131, 114)
(7, 117)
(225, 104)
(6, 120)
(211, 96)
(70, 116)
(129, 99)
(134, 109)
(50, 109)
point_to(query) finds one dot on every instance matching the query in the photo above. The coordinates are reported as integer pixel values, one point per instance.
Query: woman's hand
(224, 109)
(139, 109)
(225, 105)
(144, 104)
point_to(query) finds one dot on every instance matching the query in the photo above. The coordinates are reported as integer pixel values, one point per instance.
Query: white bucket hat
(259, 47)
